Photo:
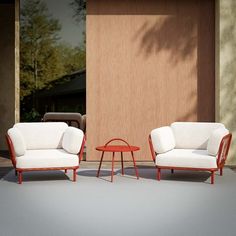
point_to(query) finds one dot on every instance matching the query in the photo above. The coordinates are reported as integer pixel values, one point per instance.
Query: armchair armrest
(82, 149)
(16, 144)
(163, 139)
(73, 141)
(11, 150)
(223, 150)
(153, 153)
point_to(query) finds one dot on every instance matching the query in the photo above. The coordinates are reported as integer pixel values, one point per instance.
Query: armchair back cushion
(42, 135)
(163, 139)
(193, 135)
(72, 140)
(215, 139)
(17, 141)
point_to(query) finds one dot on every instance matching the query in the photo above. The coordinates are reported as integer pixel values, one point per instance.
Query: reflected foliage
(43, 57)
(79, 7)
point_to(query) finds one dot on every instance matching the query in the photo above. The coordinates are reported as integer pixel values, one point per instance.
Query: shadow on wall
(163, 35)
(184, 29)
(187, 35)
(175, 35)
(227, 86)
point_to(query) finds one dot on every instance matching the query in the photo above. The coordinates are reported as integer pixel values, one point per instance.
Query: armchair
(45, 146)
(199, 146)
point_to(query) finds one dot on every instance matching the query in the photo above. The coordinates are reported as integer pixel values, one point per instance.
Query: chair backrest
(71, 118)
(42, 135)
(193, 135)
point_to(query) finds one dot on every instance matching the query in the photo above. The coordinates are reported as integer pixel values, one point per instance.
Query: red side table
(114, 149)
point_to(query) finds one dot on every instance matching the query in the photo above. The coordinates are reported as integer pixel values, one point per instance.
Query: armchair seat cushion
(47, 158)
(186, 158)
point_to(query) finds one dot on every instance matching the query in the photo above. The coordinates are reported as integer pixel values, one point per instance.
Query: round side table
(117, 148)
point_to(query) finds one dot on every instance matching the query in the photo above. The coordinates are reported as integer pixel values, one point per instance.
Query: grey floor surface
(183, 203)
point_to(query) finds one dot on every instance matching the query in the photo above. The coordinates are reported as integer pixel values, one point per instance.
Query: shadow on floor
(5, 163)
(37, 176)
(144, 173)
(93, 173)
(4, 171)
(178, 175)
(148, 172)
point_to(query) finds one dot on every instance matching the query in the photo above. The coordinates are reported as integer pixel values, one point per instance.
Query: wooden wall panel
(149, 63)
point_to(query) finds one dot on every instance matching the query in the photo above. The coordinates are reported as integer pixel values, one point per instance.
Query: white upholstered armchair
(201, 146)
(45, 146)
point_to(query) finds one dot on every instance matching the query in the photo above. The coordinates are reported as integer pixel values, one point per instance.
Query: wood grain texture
(149, 63)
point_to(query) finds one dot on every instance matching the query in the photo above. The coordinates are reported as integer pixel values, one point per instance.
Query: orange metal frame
(221, 158)
(19, 171)
(114, 149)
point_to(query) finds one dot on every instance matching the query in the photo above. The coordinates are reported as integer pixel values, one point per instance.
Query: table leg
(136, 169)
(112, 168)
(100, 164)
(122, 163)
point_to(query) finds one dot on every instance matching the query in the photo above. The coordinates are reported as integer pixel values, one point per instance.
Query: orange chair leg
(20, 177)
(158, 174)
(74, 175)
(212, 177)
(221, 171)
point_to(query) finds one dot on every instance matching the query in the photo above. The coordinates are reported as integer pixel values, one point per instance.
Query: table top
(117, 148)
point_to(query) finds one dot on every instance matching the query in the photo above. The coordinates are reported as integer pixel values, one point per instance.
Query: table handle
(117, 139)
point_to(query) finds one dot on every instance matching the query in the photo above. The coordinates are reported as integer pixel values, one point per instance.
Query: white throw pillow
(42, 135)
(163, 139)
(193, 135)
(72, 140)
(17, 141)
(215, 140)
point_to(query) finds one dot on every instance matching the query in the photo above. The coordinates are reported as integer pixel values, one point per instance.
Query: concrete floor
(181, 204)
(143, 207)
(5, 163)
